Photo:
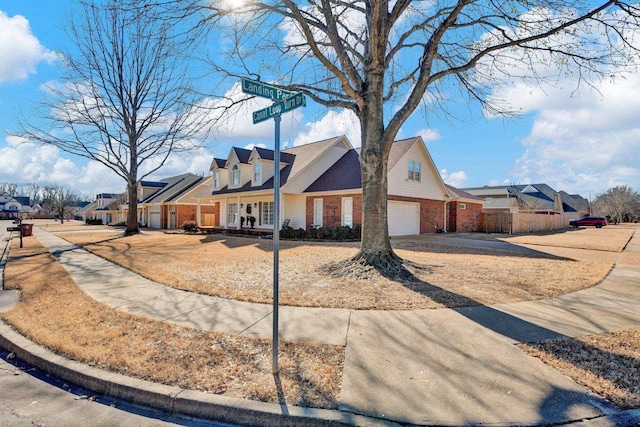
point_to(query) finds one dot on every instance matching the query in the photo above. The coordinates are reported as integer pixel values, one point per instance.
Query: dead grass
(454, 275)
(607, 364)
(55, 313)
(611, 238)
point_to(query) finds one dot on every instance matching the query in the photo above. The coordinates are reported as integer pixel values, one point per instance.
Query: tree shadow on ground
(614, 374)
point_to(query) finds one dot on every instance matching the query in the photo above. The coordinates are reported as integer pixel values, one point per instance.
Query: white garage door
(404, 218)
(154, 214)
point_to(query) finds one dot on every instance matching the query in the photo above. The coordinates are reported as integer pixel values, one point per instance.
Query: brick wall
(185, 213)
(467, 220)
(431, 212)
(332, 209)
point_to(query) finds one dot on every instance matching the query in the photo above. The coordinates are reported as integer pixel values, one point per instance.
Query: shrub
(189, 226)
(329, 233)
(93, 221)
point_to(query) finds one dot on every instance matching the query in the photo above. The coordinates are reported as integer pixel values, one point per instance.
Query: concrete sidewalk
(425, 367)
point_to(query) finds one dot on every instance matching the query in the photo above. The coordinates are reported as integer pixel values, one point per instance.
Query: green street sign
(265, 91)
(287, 104)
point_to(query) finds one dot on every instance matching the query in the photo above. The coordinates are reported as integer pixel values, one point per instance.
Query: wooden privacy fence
(523, 222)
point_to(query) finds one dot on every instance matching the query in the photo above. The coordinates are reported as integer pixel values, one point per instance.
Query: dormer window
(216, 179)
(257, 173)
(235, 175)
(414, 171)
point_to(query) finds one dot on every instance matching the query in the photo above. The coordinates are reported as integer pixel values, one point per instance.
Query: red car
(588, 220)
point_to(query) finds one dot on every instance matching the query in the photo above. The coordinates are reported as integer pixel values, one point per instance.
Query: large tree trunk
(132, 213)
(375, 248)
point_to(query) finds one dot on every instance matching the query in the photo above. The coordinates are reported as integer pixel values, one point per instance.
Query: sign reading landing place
(265, 91)
(286, 100)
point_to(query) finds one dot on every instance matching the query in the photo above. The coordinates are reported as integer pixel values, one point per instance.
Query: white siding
(295, 209)
(267, 170)
(429, 186)
(303, 180)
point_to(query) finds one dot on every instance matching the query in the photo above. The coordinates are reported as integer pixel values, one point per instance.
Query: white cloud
(428, 134)
(456, 179)
(585, 137)
(236, 124)
(582, 144)
(20, 50)
(331, 125)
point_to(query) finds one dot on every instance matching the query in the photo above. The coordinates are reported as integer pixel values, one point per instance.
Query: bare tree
(9, 188)
(619, 203)
(126, 98)
(384, 59)
(59, 201)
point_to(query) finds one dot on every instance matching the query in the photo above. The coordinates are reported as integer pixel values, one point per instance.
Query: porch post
(238, 212)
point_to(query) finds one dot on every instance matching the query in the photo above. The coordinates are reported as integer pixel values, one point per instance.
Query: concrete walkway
(425, 367)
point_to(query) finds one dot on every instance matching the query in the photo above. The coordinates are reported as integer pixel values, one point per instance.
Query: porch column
(198, 214)
(238, 211)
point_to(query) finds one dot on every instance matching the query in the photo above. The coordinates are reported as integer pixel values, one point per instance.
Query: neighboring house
(14, 207)
(170, 202)
(464, 211)
(321, 187)
(107, 207)
(79, 210)
(530, 207)
(86, 211)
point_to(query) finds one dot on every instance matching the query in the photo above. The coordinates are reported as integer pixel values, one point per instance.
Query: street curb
(175, 399)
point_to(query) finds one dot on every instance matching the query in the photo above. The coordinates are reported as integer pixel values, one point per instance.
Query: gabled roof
(241, 153)
(264, 153)
(267, 154)
(398, 149)
(217, 163)
(23, 200)
(174, 186)
(308, 153)
(345, 174)
(574, 202)
(285, 173)
(530, 196)
(458, 194)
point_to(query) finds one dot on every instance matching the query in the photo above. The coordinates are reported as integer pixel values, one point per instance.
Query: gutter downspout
(444, 225)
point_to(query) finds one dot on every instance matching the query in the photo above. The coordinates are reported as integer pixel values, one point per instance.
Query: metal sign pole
(276, 237)
(284, 101)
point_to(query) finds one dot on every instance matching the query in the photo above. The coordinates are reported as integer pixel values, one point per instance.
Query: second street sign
(287, 104)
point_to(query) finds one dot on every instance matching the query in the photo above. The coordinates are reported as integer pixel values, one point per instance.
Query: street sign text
(265, 91)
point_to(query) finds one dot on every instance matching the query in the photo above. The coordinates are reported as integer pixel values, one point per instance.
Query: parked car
(588, 220)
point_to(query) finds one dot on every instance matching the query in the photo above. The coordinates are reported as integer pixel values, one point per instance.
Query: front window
(414, 171)
(232, 214)
(317, 213)
(235, 175)
(267, 213)
(216, 179)
(257, 173)
(347, 211)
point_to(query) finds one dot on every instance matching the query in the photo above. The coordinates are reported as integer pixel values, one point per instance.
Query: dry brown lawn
(608, 364)
(54, 312)
(241, 268)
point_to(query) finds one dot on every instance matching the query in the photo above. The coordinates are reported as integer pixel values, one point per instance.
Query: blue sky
(581, 143)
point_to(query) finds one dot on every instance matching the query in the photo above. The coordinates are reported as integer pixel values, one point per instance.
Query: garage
(404, 218)
(154, 217)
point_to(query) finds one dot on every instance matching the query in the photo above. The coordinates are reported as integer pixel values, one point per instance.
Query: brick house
(321, 187)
